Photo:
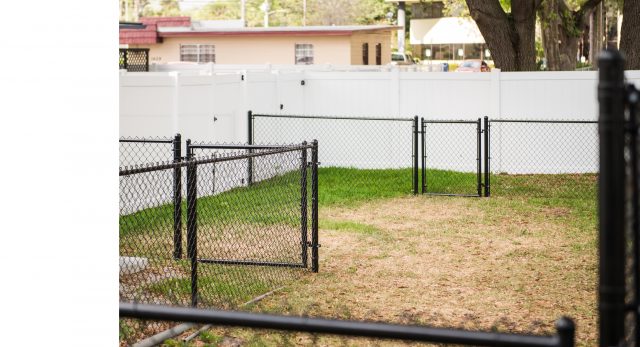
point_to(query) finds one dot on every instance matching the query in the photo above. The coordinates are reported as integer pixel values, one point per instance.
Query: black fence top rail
(552, 121)
(145, 140)
(565, 327)
(450, 121)
(232, 146)
(207, 160)
(332, 117)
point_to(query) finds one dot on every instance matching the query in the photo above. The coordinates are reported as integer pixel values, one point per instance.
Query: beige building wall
(259, 49)
(357, 40)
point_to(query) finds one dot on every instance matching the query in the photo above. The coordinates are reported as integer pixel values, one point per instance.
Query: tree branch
(582, 13)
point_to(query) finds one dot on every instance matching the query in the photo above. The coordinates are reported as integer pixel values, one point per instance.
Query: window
(365, 54)
(379, 54)
(304, 54)
(198, 53)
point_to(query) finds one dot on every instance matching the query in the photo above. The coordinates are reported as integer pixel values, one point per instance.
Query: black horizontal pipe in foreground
(564, 326)
(551, 121)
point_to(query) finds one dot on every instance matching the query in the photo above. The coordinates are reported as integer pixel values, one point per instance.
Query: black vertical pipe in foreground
(611, 199)
(314, 206)
(250, 142)
(416, 131)
(487, 171)
(479, 157)
(303, 204)
(192, 231)
(423, 128)
(177, 198)
(634, 102)
(566, 331)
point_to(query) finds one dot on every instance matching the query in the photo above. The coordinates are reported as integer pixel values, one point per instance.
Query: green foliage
(167, 8)
(125, 331)
(209, 337)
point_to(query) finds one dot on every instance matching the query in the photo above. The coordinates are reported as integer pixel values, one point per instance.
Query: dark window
(379, 54)
(365, 54)
(304, 54)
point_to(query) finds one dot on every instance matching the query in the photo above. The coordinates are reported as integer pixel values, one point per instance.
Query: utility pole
(243, 12)
(304, 12)
(265, 8)
(401, 21)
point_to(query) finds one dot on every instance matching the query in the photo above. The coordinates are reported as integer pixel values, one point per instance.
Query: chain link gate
(244, 235)
(253, 172)
(451, 157)
(364, 151)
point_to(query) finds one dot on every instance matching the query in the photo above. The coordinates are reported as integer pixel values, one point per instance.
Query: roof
(196, 30)
(151, 30)
(444, 31)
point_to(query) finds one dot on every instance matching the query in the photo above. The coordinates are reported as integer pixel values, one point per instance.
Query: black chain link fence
(451, 157)
(242, 239)
(149, 150)
(544, 158)
(367, 154)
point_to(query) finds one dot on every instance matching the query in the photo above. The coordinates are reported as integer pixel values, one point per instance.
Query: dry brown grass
(449, 262)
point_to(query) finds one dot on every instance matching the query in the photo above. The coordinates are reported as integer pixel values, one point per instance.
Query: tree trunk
(630, 34)
(511, 41)
(561, 31)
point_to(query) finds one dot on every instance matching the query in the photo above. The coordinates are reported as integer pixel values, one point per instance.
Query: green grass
(348, 186)
(149, 232)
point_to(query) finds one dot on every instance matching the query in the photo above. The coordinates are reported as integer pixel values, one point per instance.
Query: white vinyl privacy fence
(212, 105)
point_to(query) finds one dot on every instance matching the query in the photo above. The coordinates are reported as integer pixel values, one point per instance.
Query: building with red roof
(179, 39)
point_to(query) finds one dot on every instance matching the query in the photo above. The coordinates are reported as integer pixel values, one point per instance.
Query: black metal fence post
(424, 155)
(416, 131)
(566, 331)
(303, 203)
(189, 149)
(611, 199)
(487, 152)
(314, 206)
(250, 142)
(192, 230)
(479, 157)
(177, 198)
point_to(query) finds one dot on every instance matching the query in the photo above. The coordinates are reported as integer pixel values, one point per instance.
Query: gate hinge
(312, 246)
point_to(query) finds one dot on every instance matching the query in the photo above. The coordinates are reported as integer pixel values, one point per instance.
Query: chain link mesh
(140, 151)
(252, 234)
(451, 157)
(367, 153)
(544, 159)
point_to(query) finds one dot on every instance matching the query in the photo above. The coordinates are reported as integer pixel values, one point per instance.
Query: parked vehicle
(473, 65)
(398, 58)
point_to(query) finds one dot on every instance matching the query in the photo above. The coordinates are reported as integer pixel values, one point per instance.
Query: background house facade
(178, 39)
